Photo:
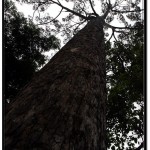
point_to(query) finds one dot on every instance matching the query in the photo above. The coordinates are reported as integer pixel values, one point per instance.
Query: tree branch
(112, 27)
(108, 9)
(93, 8)
(120, 31)
(115, 37)
(77, 27)
(52, 19)
(69, 10)
(111, 36)
(127, 11)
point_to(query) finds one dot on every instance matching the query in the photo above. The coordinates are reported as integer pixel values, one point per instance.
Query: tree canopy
(124, 59)
(72, 15)
(24, 47)
(125, 90)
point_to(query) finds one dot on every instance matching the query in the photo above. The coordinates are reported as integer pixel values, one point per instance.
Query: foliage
(125, 90)
(72, 15)
(23, 48)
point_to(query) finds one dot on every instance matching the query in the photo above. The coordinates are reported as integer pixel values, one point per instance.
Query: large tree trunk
(63, 107)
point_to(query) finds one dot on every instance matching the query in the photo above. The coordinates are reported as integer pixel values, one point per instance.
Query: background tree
(125, 90)
(24, 47)
(120, 120)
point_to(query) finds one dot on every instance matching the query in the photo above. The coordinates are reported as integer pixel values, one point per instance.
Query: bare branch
(93, 8)
(52, 19)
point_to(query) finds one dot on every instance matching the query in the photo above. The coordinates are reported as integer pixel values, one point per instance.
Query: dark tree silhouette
(64, 105)
(23, 47)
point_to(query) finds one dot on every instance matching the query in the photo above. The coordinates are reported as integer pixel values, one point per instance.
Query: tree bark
(63, 107)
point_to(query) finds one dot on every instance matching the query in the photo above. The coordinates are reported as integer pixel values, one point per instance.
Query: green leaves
(125, 90)
(23, 47)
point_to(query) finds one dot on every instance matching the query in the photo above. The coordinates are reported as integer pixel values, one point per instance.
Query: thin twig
(93, 8)
(83, 10)
(74, 24)
(52, 19)
(78, 26)
(37, 9)
(115, 37)
(69, 10)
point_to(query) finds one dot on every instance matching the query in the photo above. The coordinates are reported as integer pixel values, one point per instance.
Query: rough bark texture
(63, 107)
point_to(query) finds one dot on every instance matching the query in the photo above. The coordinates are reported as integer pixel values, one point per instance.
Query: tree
(68, 96)
(125, 91)
(23, 47)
